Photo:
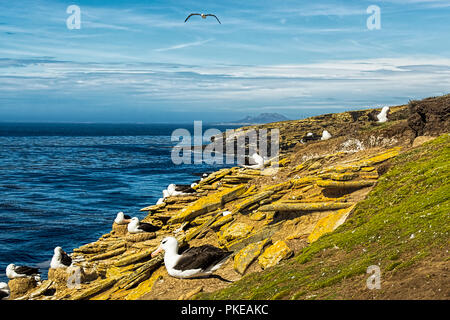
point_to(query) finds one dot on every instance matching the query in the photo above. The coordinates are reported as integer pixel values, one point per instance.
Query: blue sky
(137, 61)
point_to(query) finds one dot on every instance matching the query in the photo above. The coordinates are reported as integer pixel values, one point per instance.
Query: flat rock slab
(237, 230)
(329, 223)
(274, 254)
(305, 206)
(246, 256)
(207, 204)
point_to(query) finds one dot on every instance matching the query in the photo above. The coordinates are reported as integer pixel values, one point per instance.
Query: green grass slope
(402, 226)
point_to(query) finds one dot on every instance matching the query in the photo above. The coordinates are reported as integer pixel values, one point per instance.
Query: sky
(138, 61)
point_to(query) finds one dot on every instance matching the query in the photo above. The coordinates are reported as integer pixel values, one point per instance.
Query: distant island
(261, 118)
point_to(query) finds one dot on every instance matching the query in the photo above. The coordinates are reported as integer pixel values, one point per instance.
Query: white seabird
(4, 291)
(310, 136)
(194, 262)
(14, 272)
(135, 226)
(60, 259)
(203, 16)
(382, 116)
(179, 190)
(122, 218)
(325, 135)
(258, 160)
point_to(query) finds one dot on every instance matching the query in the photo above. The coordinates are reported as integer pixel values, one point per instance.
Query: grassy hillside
(402, 226)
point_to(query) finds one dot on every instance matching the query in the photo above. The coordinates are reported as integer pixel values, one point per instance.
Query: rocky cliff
(307, 226)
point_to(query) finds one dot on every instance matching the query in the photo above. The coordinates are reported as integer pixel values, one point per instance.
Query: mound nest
(138, 237)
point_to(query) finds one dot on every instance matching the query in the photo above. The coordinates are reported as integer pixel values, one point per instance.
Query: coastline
(322, 180)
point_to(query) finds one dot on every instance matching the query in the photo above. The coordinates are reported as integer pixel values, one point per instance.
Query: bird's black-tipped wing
(213, 15)
(127, 217)
(29, 271)
(3, 294)
(148, 227)
(202, 174)
(202, 257)
(65, 259)
(192, 14)
(184, 188)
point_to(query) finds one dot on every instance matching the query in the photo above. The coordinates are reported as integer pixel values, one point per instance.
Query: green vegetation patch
(403, 219)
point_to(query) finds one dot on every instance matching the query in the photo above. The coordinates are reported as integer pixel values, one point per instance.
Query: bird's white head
(203, 15)
(119, 218)
(171, 188)
(167, 244)
(10, 267)
(134, 220)
(58, 251)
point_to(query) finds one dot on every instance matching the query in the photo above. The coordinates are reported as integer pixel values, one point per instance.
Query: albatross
(60, 259)
(203, 16)
(135, 226)
(256, 158)
(13, 272)
(178, 190)
(4, 290)
(325, 135)
(122, 218)
(194, 262)
(382, 116)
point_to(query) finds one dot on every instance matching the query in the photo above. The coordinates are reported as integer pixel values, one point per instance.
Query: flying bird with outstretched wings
(203, 16)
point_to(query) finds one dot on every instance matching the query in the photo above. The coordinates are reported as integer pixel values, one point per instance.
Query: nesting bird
(382, 116)
(194, 262)
(135, 226)
(4, 291)
(325, 135)
(122, 218)
(258, 160)
(309, 137)
(60, 259)
(14, 272)
(177, 190)
(202, 15)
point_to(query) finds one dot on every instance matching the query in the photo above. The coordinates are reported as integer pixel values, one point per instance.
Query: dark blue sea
(63, 184)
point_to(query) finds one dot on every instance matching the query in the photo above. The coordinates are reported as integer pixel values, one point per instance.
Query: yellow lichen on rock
(329, 223)
(331, 184)
(145, 287)
(247, 255)
(234, 231)
(380, 157)
(208, 204)
(274, 254)
(222, 221)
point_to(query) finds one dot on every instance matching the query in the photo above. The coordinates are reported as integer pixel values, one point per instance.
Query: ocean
(63, 184)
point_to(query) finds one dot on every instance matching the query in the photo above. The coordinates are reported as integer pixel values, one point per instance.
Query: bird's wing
(127, 216)
(147, 227)
(192, 14)
(184, 188)
(26, 270)
(213, 15)
(66, 260)
(201, 257)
